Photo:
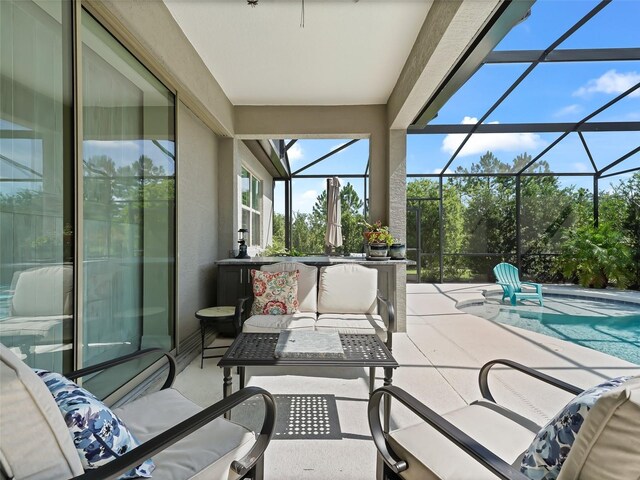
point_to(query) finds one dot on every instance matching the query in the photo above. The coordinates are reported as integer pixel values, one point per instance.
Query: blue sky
(351, 160)
(553, 92)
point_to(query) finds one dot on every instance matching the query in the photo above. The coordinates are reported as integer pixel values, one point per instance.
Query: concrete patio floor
(439, 357)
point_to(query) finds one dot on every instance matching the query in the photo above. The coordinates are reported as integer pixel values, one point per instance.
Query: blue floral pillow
(98, 434)
(552, 444)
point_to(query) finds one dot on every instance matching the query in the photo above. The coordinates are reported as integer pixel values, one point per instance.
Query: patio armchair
(484, 440)
(507, 276)
(184, 440)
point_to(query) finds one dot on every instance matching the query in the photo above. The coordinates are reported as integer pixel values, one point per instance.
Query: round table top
(216, 312)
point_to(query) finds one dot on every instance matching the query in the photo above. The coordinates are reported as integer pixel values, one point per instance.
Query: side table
(208, 318)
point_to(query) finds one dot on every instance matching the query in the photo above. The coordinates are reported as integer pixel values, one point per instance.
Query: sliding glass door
(128, 203)
(118, 178)
(36, 182)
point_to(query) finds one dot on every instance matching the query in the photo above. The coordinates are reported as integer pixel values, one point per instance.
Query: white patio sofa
(343, 298)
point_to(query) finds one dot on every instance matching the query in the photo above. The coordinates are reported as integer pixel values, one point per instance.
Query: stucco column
(229, 169)
(397, 208)
(378, 174)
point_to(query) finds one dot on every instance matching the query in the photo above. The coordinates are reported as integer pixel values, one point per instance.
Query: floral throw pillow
(274, 293)
(98, 434)
(545, 456)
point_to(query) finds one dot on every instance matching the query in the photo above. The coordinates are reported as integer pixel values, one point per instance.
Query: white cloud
(483, 142)
(438, 170)
(568, 110)
(610, 82)
(581, 167)
(111, 144)
(337, 146)
(295, 153)
(305, 201)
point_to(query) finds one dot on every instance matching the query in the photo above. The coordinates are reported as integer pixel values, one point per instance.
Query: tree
(621, 208)
(351, 218)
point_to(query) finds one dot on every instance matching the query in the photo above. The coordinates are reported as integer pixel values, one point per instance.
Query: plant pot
(378, 249)
(398, 251)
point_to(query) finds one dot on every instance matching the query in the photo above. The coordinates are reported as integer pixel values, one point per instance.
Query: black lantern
(242, 250)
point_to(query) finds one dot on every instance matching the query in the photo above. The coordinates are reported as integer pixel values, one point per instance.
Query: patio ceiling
(349, 52)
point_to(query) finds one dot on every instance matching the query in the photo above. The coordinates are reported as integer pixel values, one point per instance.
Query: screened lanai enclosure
(541, 142)
(521, 156)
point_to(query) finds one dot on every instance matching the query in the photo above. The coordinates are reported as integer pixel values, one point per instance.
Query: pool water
(609, 327)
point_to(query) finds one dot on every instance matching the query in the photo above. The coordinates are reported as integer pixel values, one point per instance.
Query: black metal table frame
(362, 357)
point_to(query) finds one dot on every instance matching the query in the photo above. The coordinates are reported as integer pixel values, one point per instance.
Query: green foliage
(596, 255)
(621, 208)
(308, 230)
(377, 233)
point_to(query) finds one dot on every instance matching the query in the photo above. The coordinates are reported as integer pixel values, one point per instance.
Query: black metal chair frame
(394, 465)
(251, 466)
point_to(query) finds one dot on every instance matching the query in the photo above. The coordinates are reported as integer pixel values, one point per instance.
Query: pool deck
(439, 357)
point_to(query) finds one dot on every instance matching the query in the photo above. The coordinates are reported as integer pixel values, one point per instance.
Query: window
(251, 207)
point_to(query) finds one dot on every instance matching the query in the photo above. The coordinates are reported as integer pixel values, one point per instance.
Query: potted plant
(397, 250)
(377, 239)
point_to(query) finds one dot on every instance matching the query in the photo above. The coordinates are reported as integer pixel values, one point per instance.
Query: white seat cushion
(205, 454)
(43, 291)
(352, 323)
(430, 455)
(348, 288)
(307, 282)
(34, 439)
(35, 326)
(277, 323)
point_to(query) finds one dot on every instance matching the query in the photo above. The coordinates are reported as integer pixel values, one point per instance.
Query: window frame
(249, 208)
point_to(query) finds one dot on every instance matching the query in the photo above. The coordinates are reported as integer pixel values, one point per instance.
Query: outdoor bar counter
(234, 279)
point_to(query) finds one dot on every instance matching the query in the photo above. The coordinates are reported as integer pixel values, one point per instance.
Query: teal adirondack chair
(507, 276)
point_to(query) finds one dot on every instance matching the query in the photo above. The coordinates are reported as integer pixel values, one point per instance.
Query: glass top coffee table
(258, 350)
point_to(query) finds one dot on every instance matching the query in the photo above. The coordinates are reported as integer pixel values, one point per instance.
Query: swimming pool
(606, 326)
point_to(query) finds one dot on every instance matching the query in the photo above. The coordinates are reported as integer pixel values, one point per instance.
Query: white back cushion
(43, 291)
(307, 282)
(608, 443)
(35, 442)
(347, 288)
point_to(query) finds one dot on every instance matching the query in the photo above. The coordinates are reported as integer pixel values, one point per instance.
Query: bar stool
(209, 317)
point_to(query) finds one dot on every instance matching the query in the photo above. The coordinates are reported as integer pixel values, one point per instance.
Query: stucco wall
(197, 169)
(357, 121)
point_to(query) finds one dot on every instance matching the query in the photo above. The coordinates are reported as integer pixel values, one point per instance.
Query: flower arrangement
(377, 233)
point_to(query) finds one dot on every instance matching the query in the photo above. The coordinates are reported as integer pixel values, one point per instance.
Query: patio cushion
(430, 455)
(34, 326)
(608, 445)
(274, 293)
(352, 323)
(43, 291)
(98, 434)
(307, 282)
(277, 323)
(552, 444)
(32, 426)
(205, 454)
(347, 288)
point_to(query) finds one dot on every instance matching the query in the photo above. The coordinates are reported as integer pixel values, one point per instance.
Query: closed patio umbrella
(333, 237)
